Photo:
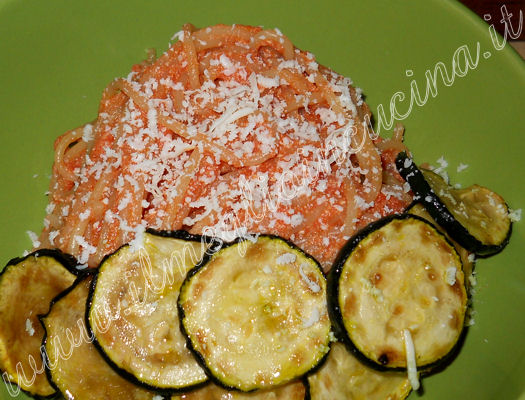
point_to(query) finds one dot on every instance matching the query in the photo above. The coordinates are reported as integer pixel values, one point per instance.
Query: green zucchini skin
(306, 384)
(334, 308)
(440, 213)
(190, 237)
(182, 314)
(44, 340)
(200, 358)
(69, 263)
(67, 260)
(79, 281)
(164, 392)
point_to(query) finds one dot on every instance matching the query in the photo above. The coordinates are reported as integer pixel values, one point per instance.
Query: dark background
(493, 8)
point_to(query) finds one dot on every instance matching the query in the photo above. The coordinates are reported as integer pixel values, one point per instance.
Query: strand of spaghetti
(132, 209)
(210, 217)
(329, 95)
(399, 131)
(110, 231)
(76, 152)
(311, 218)
(179, 209)
(297, 81)
(128, 204)
(79, 216)
(62, 144)
(370, 163)
(368, 157)
(191, 57)
(212, 70)
(349, 224)
(310, 99)
(216, 149)
(221, 35)
(90, 200)
(300, 86)
(276, 40)
(132, 212)
(392, 144)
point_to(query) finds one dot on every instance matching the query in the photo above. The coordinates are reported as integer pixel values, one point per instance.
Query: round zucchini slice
(255, 313)
(132, 311)
(27, 286)
(291, 391)
(398, 275)
(467, 258)
(475, 217)
(343, 376)
(74, 365)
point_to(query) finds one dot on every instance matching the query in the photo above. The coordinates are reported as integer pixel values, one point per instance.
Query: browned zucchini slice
(343, 376)
(255, 313)
(75, 367)
(476, 217)
(468, 259)
(27, 285)
(133, 311)
(398, 275)
(291, 391)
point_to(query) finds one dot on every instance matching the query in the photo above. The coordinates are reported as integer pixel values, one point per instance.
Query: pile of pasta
(232, 130)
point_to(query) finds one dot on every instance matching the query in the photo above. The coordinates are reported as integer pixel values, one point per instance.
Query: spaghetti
(231, 130)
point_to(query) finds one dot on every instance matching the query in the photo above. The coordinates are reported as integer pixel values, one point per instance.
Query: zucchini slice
(295, 390)
(132, 311)
(255, 313)
(475, 217)
(27, 285)
(74, 366)
(343, 376)
(467, 258)
(398, 274)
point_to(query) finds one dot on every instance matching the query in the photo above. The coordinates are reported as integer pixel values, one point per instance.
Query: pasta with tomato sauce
(231, 131)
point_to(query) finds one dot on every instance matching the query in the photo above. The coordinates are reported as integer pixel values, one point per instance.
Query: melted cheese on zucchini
(467, 258)
(256, 313)
(78, 370)
(396, 278)
(343, 377)
(134, 312)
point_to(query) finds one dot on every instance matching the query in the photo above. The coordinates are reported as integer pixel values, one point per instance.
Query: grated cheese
(515, 215)
(34, 238)
(29, 327)
(312, 319)
(462, 167)
(313, 286)
(138, 241)
(450, 277)
(286, 258)
(411, 360)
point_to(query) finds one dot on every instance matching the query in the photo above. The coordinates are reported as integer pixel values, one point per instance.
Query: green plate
(56, 57)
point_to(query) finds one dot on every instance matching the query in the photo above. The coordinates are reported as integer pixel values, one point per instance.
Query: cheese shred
(411, 360)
